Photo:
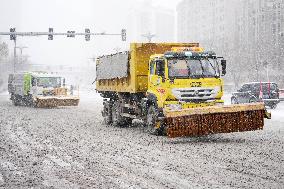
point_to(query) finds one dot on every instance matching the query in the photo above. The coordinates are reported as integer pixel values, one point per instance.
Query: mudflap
(215, 119)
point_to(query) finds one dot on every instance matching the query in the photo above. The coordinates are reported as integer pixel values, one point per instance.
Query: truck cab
(186, 78)
(48, 85)
(40, 89)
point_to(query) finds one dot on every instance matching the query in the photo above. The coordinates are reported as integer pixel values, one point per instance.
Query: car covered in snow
(267, 92)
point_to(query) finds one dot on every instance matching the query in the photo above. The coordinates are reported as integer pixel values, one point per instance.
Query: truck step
(128, 115)
(128, 106)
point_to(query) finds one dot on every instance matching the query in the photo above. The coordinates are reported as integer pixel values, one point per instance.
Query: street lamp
(149, 36)
(21, 49)
(265, 63)
(15, 55)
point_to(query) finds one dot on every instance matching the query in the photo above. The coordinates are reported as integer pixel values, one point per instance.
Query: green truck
(40, 89)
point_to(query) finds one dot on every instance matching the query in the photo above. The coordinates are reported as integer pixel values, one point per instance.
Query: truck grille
(196, 93)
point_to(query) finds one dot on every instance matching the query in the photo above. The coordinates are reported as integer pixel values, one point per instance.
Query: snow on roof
(44, 74)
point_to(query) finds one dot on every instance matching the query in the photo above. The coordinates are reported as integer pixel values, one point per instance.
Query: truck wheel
(107, 120)
(32, 103)
(273, 106)
(117, 119)
(153, 126)
(15, 100)
(252, 100)
(127, 121)
(107, 113)
(234, 100)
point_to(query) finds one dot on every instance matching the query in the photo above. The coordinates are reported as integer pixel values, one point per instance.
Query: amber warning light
(182, 49)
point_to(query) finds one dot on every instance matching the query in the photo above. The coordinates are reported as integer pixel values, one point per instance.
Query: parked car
(281, 94)
(267, 92)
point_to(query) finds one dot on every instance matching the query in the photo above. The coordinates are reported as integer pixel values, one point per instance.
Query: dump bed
(16, 84)
(128, 71)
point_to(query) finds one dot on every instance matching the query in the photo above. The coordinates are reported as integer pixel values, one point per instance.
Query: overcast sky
(62, 15)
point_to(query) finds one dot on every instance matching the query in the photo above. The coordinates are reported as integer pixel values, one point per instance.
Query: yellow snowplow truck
(40, 89)
(175, 88)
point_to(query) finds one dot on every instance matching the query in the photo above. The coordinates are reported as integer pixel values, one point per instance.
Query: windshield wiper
(213, 68)
(211, 75)
(201, 68)
(188, 68)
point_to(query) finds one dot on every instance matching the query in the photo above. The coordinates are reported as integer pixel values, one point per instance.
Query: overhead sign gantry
(14, 34)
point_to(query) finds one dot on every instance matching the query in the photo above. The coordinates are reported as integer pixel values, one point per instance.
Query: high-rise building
(146, 20)
(248, 33)
(262, 25)
(210, 22)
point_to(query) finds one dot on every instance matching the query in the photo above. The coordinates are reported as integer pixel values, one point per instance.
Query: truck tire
(33, 105)
(234, 100)
(107, 113)
(273, 106)
(252, 100)
(117, 119)
(15, 100)
(31, 102)
(152, 124)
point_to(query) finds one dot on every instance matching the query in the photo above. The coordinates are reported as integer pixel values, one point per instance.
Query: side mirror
(160, 69)
(224, 66)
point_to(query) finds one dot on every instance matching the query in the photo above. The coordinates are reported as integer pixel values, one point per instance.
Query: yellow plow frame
(215, 119)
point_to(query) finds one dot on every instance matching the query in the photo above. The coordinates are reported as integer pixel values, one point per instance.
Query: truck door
(157, 73)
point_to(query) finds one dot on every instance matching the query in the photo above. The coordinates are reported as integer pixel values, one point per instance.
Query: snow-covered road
(71, 148)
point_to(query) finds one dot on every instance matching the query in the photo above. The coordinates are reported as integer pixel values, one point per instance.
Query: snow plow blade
(55, 102)
(215, 119)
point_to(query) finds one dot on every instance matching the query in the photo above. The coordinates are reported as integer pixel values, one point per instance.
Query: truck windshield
(49, 82)
(194, 68)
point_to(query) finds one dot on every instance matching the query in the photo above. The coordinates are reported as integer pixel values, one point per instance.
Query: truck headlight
(174, 106)
(219, 104)
(217, 90)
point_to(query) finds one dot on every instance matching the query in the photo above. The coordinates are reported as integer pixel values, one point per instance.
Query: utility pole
(21, 48)
(267, 74)
(265, 63)
(14, 38)
(15, 56)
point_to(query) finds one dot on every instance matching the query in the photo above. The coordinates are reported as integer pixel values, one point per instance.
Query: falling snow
(72, 148)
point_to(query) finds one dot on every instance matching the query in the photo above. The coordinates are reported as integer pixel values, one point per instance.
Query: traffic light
(71, 33)
(123, 34)
(50, 36)
(13, 36)
(87, 34)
